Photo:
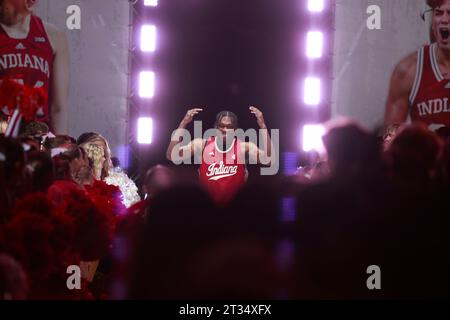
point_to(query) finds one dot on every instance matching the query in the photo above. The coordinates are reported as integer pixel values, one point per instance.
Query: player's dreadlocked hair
(226, 113)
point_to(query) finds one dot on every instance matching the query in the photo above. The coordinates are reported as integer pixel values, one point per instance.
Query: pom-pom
(28, 100)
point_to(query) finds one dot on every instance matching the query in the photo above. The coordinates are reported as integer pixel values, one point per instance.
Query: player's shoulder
(407, 65)
(56, 36)
(51, 28)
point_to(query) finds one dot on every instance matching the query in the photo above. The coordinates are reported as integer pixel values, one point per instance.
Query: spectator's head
(35, 129)
(73, 163)
(97, 150)
(40, 169)
(351, 149)
(157, 179)
(414, 153)
(59, 141)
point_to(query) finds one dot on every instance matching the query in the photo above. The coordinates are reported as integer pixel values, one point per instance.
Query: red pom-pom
(107, 198)
(9, 92)
(14, 95)
(93, 227)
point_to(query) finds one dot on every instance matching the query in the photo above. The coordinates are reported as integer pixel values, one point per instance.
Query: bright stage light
(145, 130)
(311, 93)
(312, 137)
(146, 84)
(314, 44)
(315, 5)
(148, 38)
(151, 3)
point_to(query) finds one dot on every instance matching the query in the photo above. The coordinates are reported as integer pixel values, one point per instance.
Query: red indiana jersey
(429, 98)
(28, 61)
(220, 173)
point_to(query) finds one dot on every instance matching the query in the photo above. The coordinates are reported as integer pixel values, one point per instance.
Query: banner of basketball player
(371, 37)
(98, 36)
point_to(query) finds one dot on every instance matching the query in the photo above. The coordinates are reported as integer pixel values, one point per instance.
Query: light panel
(312, 137)
(151, 3)
(146, 84)
(314, 44)
(148, 38)
(145, 130)
(312, 91)
(315, 5)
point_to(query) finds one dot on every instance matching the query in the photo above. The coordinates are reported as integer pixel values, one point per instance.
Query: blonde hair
(87, 139)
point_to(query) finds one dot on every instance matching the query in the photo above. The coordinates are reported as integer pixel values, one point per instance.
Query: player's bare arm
(262, 155)
(193, 146)
(60, 79)
(402, 79)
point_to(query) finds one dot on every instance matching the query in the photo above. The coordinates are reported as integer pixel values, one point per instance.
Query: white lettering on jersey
(221, 171)
(433, 106)
(13, 60)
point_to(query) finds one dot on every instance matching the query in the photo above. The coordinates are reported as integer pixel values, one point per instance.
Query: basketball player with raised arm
(223, 170)
(420, 83)
(35, 53)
